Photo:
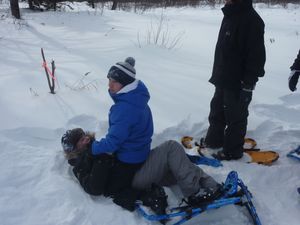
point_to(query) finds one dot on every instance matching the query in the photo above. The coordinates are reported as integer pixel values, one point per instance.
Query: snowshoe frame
(231, 196)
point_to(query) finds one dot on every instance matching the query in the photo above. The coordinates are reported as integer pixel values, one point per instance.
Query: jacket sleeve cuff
(248, 87)
(94, 148)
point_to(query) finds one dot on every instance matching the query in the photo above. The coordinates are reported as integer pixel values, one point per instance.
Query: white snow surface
(36, 184)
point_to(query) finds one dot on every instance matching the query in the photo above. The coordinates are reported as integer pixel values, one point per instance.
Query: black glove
(245, 96)
(246, 93)
(293, 79)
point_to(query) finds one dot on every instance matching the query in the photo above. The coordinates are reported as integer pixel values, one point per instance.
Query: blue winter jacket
(130, 125)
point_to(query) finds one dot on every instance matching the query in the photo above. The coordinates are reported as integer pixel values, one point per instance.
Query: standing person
(127, 142)
(295, 72)
(293, 79)
(238, 62)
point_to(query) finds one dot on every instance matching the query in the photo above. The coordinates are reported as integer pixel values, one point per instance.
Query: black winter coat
(240, 52)
(296, 65)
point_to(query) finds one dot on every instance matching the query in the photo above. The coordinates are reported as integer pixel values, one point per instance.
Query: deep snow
(36, 184)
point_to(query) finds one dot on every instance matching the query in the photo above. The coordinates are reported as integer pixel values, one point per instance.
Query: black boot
(221, 155)
(205, 196)
(156, 199)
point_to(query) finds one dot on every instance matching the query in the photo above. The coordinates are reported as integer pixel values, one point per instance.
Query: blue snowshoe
(295, 153)
(203, 160)
(233, 192)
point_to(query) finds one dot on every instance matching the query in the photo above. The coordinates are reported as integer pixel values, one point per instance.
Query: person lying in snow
(166, 165)
(295, 73)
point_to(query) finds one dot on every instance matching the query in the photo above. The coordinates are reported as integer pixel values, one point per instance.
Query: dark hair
(75, 153)
(70, 138)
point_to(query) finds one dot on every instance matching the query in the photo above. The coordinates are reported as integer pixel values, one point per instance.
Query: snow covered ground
(36, 185)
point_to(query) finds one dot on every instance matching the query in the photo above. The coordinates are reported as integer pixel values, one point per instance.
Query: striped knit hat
(123, 72)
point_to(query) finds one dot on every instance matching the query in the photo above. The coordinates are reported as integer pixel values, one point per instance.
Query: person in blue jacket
(111, 162)
(130, 120)
(130, 125)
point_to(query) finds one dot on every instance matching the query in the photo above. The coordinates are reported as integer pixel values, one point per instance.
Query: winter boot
(205, 196)
(205, 144)
(156, 199)
(222, 155)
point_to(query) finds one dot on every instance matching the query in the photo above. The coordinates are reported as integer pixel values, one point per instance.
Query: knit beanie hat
(123, 72)
(70, 139)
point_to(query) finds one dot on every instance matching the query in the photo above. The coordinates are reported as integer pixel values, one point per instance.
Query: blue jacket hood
(135, 94)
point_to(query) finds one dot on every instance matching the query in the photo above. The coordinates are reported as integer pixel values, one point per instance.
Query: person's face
(114, 86)
(83, 142)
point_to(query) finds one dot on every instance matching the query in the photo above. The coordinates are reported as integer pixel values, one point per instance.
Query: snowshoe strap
(249, 143)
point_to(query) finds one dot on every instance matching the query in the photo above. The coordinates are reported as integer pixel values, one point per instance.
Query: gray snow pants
(168, 165)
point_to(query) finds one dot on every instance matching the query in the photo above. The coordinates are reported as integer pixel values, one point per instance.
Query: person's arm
(296, 64)
(120, 122)
(295, 73)
(255, 54)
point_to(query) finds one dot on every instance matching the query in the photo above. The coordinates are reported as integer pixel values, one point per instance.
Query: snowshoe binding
(232, 192)
(156, 199)
(205, 196)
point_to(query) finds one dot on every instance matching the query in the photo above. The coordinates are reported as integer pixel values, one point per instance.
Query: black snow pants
(227, 121)
(104, 174)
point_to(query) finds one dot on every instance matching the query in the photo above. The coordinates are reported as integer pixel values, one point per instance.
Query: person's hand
(83, 142)
(245, 96)
(246, 93)
(293, 79)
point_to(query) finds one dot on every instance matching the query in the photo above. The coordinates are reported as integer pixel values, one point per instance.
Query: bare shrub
(143, 5)
(33, 92)
(159, 34)
(83, 84)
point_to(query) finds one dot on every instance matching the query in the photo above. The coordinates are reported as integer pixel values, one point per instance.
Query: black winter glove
(246, 93)
(293, 79)
(245, 96)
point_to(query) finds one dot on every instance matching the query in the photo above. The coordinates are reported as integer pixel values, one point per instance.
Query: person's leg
(119, 186)
(169, 165)
(151, 177)
(154, 170)
(121, 177)
(189, 176)
(236, 113)
(216, 118)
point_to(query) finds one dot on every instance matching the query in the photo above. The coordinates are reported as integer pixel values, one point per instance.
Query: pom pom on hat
(131, 61)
